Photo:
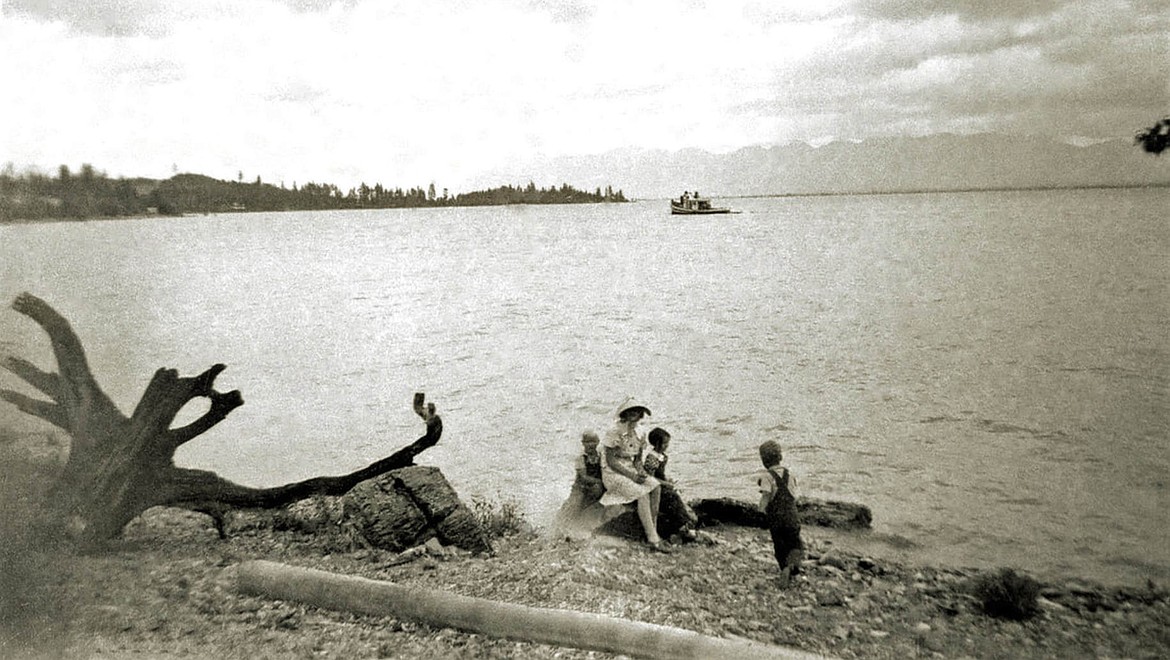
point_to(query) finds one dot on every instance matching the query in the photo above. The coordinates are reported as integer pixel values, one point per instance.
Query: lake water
(988, 371)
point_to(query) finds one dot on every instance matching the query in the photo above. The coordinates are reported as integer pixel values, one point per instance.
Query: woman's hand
(640, 478)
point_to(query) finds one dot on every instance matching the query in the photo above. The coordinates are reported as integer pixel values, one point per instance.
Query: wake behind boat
(690, 204)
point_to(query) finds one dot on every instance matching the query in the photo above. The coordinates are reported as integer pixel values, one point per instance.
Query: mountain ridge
(882, 165)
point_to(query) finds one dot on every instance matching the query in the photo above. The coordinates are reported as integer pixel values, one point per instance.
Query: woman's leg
(644, 514)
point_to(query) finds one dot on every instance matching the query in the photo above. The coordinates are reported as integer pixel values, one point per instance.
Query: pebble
(922, 628)
(830, 599)
(835, 560)
(879, 634)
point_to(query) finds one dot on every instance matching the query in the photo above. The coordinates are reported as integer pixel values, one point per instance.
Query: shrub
(1007, 594)
(499, 519)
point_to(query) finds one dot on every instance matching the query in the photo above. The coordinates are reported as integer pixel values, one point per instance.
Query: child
(674, 515)
(779, 507)
(654, 460)
(582, 511)
(588, 468)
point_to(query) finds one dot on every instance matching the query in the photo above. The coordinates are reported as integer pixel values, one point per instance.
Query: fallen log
(119, 466)
(437, 608)
(821, 513)
(729, 511)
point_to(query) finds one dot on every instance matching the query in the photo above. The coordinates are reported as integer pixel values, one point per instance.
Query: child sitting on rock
(582, 512)
(779, 506)
(654, 459)
(675, 517)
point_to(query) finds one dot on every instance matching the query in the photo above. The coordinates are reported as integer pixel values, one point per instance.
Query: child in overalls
(779, 507)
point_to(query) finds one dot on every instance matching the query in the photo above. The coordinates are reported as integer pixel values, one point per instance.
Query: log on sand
(519, 622)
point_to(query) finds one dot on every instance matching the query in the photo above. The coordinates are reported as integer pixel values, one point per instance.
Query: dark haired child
(654, 460)
(582, 511)
(674, 515)
(779, 506)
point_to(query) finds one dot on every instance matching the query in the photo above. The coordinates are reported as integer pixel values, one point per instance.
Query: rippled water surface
(988, 371)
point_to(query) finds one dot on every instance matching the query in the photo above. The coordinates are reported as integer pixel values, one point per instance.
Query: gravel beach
(166, 589)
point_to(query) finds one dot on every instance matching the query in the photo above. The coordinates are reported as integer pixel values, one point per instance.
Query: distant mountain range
(939, 162)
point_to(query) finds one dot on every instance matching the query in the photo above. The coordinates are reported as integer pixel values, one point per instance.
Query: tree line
(91, 194)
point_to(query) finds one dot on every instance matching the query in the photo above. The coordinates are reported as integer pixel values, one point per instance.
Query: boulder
(409, 506)
(674, 517)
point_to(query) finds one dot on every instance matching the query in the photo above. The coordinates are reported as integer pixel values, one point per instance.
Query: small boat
(690, 204)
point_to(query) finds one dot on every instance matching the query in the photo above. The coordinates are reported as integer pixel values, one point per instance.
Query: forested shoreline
(89, 193)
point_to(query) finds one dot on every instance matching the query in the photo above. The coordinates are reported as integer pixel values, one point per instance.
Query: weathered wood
(119, 466)
(822, 513)
(441, 609)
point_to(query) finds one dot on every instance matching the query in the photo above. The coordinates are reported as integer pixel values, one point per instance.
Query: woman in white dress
(622, 472)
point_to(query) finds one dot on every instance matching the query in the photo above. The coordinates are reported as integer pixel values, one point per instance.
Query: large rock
(409, 506)
(674, 516)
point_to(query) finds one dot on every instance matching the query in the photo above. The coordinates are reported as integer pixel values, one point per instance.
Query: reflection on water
(988, 371)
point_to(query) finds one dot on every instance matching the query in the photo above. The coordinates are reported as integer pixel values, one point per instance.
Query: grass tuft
(500, 519)
(1007, 594)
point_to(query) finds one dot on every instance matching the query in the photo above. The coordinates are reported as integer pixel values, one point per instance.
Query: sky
(407, 93)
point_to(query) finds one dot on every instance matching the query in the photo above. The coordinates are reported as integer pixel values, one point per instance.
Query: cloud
(1064, 71)
(573, 12)
(407, 92)
(115, 18)
(966, 10)
(153, 18)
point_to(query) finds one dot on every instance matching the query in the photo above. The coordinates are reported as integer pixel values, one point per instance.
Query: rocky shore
(166, 590)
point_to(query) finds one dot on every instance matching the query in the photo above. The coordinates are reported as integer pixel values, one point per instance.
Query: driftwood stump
(119, 466)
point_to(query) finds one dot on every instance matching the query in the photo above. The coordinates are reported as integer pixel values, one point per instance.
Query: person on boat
(623, 474)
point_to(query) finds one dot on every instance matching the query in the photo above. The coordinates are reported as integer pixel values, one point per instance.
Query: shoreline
(166, 589)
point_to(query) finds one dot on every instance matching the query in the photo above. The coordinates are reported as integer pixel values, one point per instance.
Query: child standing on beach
(778, 503)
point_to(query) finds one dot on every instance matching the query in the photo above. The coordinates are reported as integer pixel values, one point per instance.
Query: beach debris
(443, 609)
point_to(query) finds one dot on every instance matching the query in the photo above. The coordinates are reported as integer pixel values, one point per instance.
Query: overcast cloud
(406, 93)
